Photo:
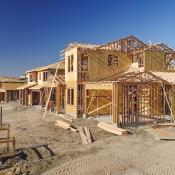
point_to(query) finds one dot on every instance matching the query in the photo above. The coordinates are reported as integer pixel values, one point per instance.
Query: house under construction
(128, 81)
(8, 88)
(39, 82)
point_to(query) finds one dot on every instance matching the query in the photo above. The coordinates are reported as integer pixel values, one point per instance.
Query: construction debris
(111, 128)
(65, 125)
(85, 135)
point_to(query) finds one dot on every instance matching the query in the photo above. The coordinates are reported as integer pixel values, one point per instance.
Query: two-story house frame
(39, 82)
(84, 63)
(142, 94)
(127, 80)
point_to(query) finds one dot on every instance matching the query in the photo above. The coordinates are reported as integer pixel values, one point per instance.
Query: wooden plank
(88, 134)
(84, 139)
(65, 117)
(62, 126)
(63, 123)
(112, 129)
(73, 129)
(6, 140)
(85, 135)
(66, 127)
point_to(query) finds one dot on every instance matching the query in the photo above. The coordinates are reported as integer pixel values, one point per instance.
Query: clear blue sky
(32, 32)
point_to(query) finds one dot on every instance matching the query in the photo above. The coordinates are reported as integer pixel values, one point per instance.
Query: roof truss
(126, 44)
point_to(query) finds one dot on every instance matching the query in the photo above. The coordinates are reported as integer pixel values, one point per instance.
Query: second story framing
(41, 75)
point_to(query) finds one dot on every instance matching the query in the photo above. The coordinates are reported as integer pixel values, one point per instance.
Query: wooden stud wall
(135, 104)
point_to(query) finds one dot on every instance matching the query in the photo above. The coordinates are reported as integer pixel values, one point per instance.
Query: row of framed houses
(8, 88)
(126, 80)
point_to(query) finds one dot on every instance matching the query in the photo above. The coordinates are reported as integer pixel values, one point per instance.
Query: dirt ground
(43, 148)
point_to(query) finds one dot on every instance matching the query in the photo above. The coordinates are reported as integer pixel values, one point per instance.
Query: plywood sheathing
(98, 102)
(98, 63)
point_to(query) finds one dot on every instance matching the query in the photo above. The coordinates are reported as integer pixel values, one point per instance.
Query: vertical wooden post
(110, 110)
(163, 101)
(97, 106)
(1, 115)
(14, 145)
(22, 97)
(85, 101)
(123, 106)
(58, 92)
(173, 100)
(115, 107)
(40, 97)
(26, 97)
(19, 97)
(8, 137)
(6, 96)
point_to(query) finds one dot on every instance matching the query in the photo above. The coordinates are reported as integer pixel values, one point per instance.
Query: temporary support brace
(99, 108)
(53, 79)
(90, 101)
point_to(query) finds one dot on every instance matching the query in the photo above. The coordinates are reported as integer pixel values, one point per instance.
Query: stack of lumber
(65, 125)
(111, 128)
(85, 135)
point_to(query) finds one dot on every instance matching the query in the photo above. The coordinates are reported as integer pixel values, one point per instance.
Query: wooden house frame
(40, 80)
(100, 82)
(134, 99)
(89, 64)
(8, 88)
(126, 79)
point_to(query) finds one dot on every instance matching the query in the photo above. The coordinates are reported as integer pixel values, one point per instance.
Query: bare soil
(43, 148)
